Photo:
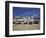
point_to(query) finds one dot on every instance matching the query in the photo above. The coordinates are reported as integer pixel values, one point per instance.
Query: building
(23, 19)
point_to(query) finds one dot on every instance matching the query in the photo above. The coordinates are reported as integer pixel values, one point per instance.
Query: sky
(23, 11)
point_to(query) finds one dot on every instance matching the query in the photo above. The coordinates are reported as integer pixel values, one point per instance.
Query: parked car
(36, 21)
(17, 22)
(24, 22)
(13, 21)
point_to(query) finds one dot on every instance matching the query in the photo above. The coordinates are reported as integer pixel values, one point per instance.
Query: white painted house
(24, 19)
